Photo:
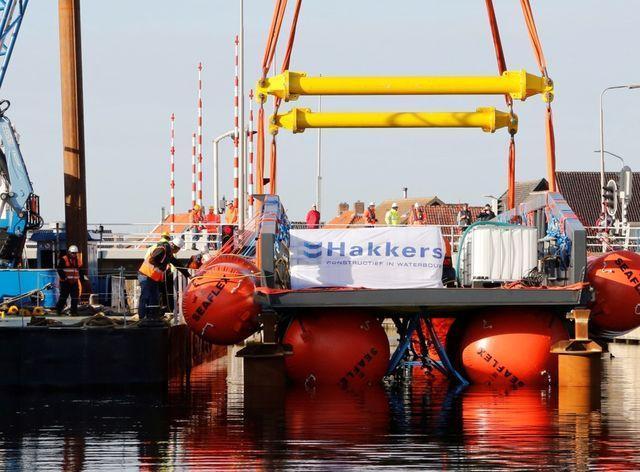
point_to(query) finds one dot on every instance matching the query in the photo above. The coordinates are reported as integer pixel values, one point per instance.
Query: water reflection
(426, 423)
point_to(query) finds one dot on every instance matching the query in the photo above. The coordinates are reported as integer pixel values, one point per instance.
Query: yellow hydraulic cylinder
(518, 84)
(487, 118)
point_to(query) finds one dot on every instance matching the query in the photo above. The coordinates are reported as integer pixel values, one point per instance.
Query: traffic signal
(610, 197)
(227, 233)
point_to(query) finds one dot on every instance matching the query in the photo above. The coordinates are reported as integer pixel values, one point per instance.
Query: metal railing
(611, 239)
(141, 236)
(144, 235)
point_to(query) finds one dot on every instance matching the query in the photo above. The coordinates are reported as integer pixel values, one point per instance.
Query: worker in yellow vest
(69, 272)
(392, 217)
(152, 274)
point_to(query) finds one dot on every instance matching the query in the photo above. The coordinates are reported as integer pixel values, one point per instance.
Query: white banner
(390, 257)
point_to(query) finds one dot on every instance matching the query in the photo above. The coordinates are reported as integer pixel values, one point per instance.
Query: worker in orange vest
(212, 222)
(417, 216)
(370, 214)
(211, 218)
(231, 215)
(151, 275)
(69, 267)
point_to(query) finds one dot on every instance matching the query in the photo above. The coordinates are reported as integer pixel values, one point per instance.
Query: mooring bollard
(579, 359)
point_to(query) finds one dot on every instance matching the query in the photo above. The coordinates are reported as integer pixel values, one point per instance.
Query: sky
(139, 66)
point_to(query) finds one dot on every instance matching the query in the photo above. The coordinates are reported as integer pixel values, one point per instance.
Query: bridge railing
(141, 236)
(602, 240)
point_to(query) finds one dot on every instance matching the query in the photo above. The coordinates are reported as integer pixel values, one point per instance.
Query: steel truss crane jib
(486, 118)
(11, 15)
(518, 84)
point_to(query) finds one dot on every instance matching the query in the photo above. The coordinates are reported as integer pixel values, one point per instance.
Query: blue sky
(140, 58)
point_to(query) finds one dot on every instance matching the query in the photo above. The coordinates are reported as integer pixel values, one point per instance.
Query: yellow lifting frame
(486, 118)
(518, 84)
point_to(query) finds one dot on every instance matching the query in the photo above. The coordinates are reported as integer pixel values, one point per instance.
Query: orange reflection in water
(330, 413)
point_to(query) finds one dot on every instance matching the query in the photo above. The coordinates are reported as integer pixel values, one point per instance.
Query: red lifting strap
(273, 164)
(267, 61)
(502, 67)
(272, 42)
(542, 64)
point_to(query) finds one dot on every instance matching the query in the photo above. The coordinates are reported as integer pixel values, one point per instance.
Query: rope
(267, 61)
(511, 191)
(502, 67)
(542, 64)
(273, 162)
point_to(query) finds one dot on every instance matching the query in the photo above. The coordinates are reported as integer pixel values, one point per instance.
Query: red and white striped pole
(199, 146)
(172, 174)
(250, 186)
(236, 137)
(193, 170)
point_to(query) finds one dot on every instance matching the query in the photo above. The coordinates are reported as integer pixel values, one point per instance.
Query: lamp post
(216, 168)
(243, 163)
(602, 149)
(620, 158)
(319, 163)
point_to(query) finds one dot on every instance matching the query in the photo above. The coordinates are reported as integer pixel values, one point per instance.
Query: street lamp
(216, 167)
(620, 158)
(602, 150)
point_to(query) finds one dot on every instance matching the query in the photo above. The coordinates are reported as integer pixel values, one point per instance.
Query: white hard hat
(73, 249)
(178, 242)
(416, 205)
(395, 205)
(372, 204)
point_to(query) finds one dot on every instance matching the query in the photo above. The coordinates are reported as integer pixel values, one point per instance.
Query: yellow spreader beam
(487, 118)
(518, 84)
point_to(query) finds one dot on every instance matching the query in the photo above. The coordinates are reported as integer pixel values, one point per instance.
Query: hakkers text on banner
(393, 257)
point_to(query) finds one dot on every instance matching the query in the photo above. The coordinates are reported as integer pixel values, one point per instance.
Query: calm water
(424, 425)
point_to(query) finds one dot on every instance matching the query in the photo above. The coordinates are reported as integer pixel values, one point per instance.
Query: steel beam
(487, 118)
(434, 300)
(75, 194)
(518, 84)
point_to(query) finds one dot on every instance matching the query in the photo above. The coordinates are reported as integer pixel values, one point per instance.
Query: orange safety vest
(155, 273)
(231, 216)
(70, 269)
(370, 216)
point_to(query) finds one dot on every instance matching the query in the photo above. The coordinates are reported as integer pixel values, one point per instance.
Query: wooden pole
(75, 193)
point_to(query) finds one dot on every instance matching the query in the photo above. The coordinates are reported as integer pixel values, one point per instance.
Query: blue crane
(19, 206)
(11, 15)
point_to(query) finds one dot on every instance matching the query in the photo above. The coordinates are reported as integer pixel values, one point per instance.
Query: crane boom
(11, 15)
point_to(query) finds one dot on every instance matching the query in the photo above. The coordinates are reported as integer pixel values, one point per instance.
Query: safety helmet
(416, 205)
(395, 205)
(166, 235)
(178, 242)
(196, 207)
(73, 249)
(372, 204)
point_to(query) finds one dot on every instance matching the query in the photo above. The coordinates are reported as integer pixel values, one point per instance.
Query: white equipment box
(499, 254)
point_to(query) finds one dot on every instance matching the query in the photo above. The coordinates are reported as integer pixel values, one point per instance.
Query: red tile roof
(342, 221)
(447, 214)
(441, 214)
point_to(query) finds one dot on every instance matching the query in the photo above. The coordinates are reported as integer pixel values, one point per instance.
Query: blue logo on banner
(315, 247)
(383, 249)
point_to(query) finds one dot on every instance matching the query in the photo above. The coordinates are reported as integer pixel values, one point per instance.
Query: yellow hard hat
(166, 235)
(196, 207)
